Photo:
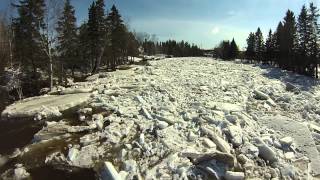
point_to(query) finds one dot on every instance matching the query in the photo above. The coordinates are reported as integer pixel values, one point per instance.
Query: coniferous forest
(293, 46)
(42, 49)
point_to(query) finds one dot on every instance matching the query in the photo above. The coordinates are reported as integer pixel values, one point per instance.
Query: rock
(209, 143)
(162, 124)
(265, 151)
(20, 172)
(260, 95)
(108, 172)
(221, 143)
(234, 175)
(44, 106)
(72, 154)
(286, 141)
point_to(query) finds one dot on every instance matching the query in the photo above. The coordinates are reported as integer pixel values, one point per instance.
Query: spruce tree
(101, 34)
(276, 43)
(259, 45)
(314, 38)
(288, 41)
(251, 41)
(269, 48)
(304, 39)
(97, 33)
(67, 39)
(234, 49)
(27, 29)
(118, 37)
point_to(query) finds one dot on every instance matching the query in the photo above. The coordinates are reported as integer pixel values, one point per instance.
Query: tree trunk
(51, 72)
(98, 61)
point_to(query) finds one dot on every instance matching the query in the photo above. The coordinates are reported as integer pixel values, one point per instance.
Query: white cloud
(215, 30)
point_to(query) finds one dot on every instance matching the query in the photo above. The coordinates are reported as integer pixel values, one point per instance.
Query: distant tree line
(46, 49)
(226, 50)
(171, 47)
(293, 46)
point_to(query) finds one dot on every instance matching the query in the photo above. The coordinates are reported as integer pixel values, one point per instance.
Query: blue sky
(204, 22)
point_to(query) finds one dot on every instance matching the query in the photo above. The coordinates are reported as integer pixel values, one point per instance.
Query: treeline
(226, 50)
(293, 46)
(43, 49)
(172, 47)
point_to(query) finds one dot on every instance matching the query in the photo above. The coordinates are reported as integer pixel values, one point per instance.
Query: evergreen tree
(133, 46)
(314, 38)
(234, 49)
(288, 41)
(269, 48)
(118, 38)
(84, 48)
(67, 39)
(259, 45)
(27, 29)
(251, 41)
(303, 28)
(276, 43)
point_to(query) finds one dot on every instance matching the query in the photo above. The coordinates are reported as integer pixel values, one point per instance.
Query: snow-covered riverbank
(185, 118)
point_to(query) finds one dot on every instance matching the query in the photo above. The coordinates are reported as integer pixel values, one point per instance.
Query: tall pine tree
(259, 45)
(234, 49)
(27, 29)
(314, 38)
(67, 39)
(288, 42)
(251, 41)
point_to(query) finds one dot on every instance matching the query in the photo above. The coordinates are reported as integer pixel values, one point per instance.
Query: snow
(195, 117)
(42, 107)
